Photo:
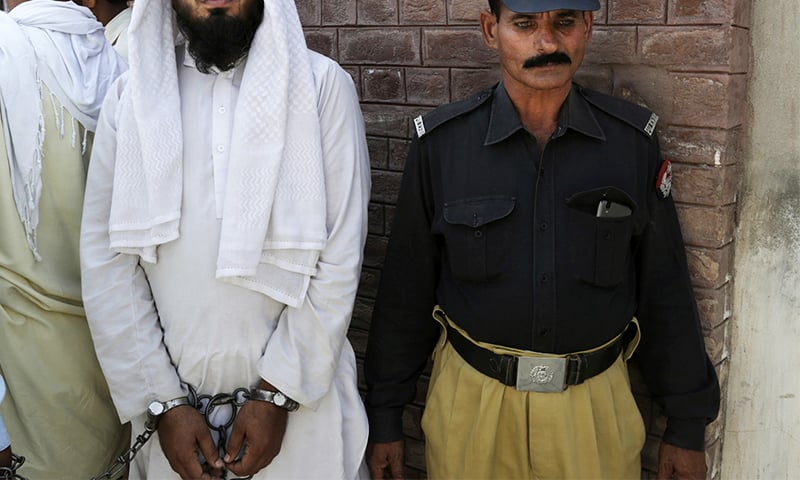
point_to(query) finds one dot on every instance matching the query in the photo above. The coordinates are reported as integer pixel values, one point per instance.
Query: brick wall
(686, 59)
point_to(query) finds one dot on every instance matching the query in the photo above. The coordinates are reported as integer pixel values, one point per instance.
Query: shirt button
(220, 148)
(544, 278)
(543, 332)
(544, 226)
(222, 109)
(478, 234)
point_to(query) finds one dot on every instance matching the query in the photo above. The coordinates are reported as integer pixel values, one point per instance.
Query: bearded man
(55, 69)
(222, 237)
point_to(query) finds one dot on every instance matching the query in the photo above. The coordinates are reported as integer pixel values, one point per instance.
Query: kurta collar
(236, 72)
(575, 114)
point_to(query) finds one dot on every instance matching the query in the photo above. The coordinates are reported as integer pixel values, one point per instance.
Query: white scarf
(62, 45)
(274, 215)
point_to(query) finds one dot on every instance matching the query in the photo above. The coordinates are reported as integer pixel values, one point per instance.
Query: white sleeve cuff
(4, 441)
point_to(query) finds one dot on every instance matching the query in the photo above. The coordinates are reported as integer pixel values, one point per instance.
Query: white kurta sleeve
(4, 441)
(119, 304)
(303, 353)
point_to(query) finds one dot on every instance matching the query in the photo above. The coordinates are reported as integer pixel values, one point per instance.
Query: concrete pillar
(763, 416)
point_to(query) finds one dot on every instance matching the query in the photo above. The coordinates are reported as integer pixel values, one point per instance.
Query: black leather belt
(538, 374)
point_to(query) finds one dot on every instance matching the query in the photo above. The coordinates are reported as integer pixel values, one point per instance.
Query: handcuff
(276, 398)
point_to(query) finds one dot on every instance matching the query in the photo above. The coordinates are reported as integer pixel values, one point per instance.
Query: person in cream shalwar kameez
(221, 245)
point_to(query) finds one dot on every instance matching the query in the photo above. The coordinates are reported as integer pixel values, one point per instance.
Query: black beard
(220, 40)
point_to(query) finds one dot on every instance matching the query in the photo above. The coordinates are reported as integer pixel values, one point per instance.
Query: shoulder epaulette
(634, 115)
(425, 124)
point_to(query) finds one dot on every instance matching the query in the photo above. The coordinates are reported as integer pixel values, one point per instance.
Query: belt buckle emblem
(541, 374)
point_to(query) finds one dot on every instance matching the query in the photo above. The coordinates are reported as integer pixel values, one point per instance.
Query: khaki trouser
(476, 427)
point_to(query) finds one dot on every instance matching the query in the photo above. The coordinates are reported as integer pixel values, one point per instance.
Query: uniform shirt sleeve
(302, 355)
(402, 333)
(672, 353)
(119, 304)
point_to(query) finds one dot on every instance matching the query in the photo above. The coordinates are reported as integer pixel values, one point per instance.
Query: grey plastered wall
(763, 419)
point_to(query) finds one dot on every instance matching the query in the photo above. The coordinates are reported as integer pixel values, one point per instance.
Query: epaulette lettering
(634, 115)
(419, 123)
(651, 124)
(425, 124)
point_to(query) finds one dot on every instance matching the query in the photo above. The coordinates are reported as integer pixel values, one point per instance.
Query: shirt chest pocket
(600, 246)
(476, 236)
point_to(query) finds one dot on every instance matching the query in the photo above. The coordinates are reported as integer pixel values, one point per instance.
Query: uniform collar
(575, 114)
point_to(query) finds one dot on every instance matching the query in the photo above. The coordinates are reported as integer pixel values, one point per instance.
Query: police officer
(535, 221)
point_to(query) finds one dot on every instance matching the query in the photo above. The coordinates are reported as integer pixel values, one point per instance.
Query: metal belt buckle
(541, 374)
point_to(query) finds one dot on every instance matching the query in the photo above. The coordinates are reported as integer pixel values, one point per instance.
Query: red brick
(717, 343)
(378, 148)
(355, 75)
(389, 212)
(688, 47)
(710, 268)
(647, 86)
(376, 220)
(389, 120)
(415, 453)
(467, 82)
(338, 12)
(380, 46)
(398, 151)
(705, 185)
(428, 86)
(375, 252)
(601, 15)
(713, 305)
(309, 12)
(701, 11)
(456, 47)
(612, 45)
(596, 77)
(385, 186)
(702, 146)
(465, 11)
(362, 313)
(377, 12)
(422, 12)
(369, 281)
(358, 339)
(322, 40)
(710, 227)
(383, 85)
(709, 100)
(636, 11)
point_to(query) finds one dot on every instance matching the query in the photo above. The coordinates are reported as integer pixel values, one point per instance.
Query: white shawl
(62, 45)
(274, 215)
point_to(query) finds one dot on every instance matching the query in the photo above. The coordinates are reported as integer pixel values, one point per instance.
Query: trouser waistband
(540, 373)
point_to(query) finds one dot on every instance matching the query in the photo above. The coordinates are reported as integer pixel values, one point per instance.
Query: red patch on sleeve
(664, 179)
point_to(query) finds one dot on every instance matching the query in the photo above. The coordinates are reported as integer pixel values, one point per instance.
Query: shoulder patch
(634, 115)
(664, 179)
(425, 124)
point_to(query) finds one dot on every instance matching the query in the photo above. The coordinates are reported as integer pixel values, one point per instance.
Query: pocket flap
(589, 199)
(476, 212)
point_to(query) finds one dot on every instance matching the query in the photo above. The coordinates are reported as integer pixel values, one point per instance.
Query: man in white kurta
(55, 68)
(163, 314)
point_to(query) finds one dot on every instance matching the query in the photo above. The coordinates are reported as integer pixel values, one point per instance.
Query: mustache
(554, 58)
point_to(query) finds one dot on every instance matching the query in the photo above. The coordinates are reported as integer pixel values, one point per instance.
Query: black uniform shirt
(505, 237)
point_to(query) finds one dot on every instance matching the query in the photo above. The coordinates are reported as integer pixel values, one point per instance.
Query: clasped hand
(183, 435)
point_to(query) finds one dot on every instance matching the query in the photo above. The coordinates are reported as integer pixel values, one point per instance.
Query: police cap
(537, 6)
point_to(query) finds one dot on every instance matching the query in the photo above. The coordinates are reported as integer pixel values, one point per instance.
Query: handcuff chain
(10, 473)
(118, 468)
